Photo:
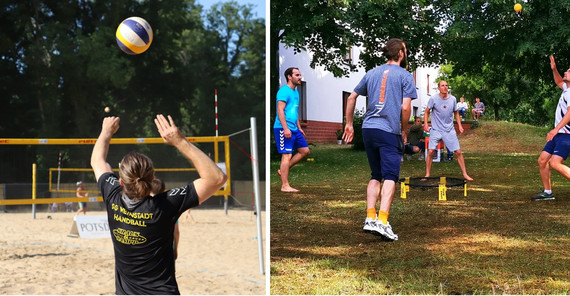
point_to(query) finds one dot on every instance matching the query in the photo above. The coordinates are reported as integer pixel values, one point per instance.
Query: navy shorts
(288, 145)
(384, 151)
(559, 145)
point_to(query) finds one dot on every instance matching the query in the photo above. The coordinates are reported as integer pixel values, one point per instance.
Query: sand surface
(217, 254)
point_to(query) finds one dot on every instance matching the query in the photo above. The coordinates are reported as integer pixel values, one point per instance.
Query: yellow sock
(383, 216)
(371, 213)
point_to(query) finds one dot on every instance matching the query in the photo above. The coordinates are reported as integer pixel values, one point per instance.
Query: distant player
(289, 136)
(81, 193)
(442, 107)
(558, 139)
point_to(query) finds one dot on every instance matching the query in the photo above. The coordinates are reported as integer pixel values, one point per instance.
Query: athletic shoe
(543, 196)
(386, 232)
(370, 226)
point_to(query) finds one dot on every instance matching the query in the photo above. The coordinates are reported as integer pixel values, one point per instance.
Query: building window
(345, 96)
(348, 56)
(427, 87)
(302, 89)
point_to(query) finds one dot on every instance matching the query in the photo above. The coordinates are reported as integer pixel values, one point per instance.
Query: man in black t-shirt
(142, 226)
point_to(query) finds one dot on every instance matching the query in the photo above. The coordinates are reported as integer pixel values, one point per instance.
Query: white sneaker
(370, 226)
(386, 231)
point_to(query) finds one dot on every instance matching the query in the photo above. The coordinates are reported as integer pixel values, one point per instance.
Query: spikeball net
(442, 183)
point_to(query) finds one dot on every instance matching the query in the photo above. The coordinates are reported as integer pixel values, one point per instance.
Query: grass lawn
(494, 241)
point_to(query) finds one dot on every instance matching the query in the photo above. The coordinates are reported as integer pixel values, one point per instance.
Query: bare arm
(281, 115)
(406, 112)
(211, 177)
(101, 148)
(565, 120)
(557, 78)
(426, 117)
(348, 134)
(458, 119)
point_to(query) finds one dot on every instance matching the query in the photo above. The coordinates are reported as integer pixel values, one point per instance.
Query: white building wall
(324, 91)
(426, 87)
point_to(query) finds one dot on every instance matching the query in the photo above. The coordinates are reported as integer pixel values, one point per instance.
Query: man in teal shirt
(288, 132)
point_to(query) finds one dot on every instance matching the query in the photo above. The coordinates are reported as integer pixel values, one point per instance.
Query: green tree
(60, 66)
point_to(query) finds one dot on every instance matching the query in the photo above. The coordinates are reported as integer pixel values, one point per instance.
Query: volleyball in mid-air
(134, 35)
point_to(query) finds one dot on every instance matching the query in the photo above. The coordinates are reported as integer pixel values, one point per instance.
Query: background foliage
(489, 50)
(60, 66)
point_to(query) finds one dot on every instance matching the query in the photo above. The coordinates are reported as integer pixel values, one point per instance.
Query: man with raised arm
(142, 226)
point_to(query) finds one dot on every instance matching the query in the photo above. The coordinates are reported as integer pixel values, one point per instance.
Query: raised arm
(101, 148)
(211, 177)
(557, 78)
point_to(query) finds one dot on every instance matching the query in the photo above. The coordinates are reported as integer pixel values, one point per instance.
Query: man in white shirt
(462, 108)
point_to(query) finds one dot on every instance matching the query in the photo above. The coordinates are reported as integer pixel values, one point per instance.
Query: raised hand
(110, 125)
(168, 130)
(552, 63)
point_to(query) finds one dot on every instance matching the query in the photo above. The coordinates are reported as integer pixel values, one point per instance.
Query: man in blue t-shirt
(288, 132)
(390, 89)
(442, 108)
(557, 145)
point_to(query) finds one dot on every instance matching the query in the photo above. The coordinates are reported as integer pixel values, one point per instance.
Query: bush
(357, 124)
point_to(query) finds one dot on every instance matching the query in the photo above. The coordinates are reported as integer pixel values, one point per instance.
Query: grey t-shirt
(441, 111)
(385, 87)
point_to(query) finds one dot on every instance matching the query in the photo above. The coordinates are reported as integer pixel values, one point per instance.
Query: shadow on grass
(493, 241)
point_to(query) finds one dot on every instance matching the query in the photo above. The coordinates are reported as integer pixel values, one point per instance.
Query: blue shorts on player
(288, 145)
(559, 145)
(384, 151)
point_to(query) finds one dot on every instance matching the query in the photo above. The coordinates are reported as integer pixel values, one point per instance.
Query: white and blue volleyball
(134, 35)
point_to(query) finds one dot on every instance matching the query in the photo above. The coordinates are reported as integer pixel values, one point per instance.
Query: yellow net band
(14, 141)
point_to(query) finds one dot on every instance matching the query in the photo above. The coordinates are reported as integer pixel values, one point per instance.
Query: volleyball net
(59, 164)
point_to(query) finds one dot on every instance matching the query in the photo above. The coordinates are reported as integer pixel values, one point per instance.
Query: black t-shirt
(142, 234)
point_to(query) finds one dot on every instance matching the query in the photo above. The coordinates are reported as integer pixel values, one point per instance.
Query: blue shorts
(479, 111)
(287, 146)
(560, 145)
(384, 151)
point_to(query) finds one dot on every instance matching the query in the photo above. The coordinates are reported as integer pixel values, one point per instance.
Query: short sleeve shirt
(562, 109)
(442, 112)
(142, 235)
(385, 87)
(291, 99)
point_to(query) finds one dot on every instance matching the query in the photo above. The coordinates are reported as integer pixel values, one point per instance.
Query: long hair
(392, 48)
(158, 186)
(136, 172)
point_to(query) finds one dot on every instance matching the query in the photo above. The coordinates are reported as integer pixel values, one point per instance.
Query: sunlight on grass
(494, 241)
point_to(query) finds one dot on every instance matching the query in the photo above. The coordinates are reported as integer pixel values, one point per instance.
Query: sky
(258, 5)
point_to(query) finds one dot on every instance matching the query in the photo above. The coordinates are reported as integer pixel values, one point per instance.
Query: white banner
(222, 166)
(92, 226)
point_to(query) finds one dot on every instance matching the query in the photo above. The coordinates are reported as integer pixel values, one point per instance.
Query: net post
(255, 169)
(442, 188)
(227, 161)
(226, 204)
(404, 188)
(465, 188)
(34, 171)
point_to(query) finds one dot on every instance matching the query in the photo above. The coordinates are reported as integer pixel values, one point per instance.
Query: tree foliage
(60, 66)
(495, 53)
